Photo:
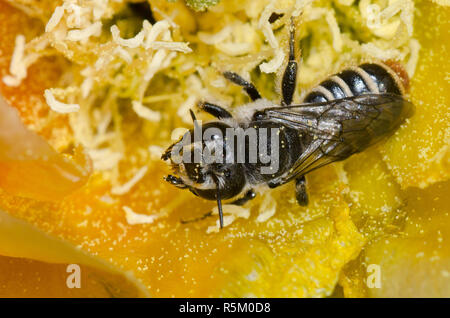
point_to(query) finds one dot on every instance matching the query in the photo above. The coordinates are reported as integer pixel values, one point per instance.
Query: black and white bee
(343, 115)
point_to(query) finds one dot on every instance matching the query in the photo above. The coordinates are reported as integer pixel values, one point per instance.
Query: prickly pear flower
(93, 91)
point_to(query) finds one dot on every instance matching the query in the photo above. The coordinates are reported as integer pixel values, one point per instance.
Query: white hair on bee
(220, 181)
(245, 113)
(208, 184)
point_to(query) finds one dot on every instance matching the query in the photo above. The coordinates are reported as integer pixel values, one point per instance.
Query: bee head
(204, 164)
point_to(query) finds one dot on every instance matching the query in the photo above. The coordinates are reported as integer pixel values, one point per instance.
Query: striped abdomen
(365, 79)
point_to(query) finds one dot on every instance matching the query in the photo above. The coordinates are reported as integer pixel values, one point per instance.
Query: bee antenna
(219, 201)
(194, 119)
(192, 115)
(219, 207)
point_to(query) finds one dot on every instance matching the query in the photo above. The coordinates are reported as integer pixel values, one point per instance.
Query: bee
(343, 115)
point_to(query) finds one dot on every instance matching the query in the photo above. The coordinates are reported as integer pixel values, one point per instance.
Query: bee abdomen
(369, 78)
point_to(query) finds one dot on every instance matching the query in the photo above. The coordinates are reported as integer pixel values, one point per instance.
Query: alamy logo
(237, 145)
(74, 279)
(374, 276)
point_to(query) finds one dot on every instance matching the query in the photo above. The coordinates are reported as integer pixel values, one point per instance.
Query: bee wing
(341, 127)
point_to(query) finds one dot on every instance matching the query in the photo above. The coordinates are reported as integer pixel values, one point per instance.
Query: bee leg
(167, 154)
(215, 110)
(250, 195)
(273, 185)
(289, 81)
(249, 88)
(175, 181)
(204, 216)
(300, 191)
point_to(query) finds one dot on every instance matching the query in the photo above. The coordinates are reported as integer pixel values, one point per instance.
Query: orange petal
(30, 167)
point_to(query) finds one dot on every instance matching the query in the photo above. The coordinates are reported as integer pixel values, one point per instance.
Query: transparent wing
(337, 129)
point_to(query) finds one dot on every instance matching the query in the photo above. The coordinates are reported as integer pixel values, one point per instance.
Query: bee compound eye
(201, 177)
